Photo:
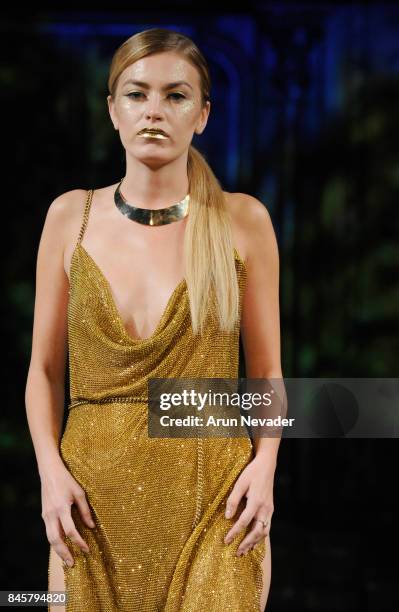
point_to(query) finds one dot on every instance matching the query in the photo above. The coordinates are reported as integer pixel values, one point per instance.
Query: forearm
(266, 450)
(44, 400)
(267, 445)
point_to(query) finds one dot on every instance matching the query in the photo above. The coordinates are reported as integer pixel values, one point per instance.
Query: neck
(155, 187)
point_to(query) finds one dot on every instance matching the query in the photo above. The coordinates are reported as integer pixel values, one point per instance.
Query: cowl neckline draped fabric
(158, 503)
(181, 286)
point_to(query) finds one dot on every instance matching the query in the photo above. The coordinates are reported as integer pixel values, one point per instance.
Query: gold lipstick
(153, 134)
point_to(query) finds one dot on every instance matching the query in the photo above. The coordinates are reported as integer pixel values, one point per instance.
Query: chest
(141, 277)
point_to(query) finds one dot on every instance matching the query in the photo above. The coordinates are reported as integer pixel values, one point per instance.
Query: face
(145, 99)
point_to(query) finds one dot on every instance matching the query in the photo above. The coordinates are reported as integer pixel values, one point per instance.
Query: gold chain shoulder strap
(85, 214)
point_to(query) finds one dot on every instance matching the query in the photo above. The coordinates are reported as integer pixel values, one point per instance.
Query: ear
(203, 119)
(112, 111)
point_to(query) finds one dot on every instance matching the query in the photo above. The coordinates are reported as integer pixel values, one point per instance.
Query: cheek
(186, 110)
(186, 117)
(126, 110)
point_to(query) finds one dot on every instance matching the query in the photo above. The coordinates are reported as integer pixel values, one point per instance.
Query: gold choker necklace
(149, 216)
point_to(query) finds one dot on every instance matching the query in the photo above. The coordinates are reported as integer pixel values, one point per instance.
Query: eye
(177, 94)
(135, 94)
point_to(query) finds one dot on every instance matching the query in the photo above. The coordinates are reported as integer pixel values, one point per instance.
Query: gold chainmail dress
(158, 503)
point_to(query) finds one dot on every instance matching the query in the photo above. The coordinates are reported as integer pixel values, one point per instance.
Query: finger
(239, 490)
(71, 531)
(55, 537)
(84, 509)
(252, 538)
(244, 520)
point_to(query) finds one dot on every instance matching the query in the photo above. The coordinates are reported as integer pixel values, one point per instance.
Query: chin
(154, 160)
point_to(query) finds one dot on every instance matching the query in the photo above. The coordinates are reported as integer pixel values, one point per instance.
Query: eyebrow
(167, 86)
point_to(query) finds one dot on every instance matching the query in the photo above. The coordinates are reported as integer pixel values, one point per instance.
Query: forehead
(161, 68)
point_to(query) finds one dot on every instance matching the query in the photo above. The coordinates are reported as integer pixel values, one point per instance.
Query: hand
(59, 491)
(256, 483)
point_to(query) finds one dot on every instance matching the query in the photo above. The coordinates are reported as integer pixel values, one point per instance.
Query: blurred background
(305, 117)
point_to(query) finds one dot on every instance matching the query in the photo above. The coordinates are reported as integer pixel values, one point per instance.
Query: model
(153, 277)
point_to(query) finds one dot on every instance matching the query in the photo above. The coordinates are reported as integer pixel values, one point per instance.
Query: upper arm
(49, 337)
(260, 323)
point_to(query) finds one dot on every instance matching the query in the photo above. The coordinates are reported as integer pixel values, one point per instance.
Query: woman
(124, 280)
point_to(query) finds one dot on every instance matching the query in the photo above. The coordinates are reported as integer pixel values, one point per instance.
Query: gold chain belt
(105, 400)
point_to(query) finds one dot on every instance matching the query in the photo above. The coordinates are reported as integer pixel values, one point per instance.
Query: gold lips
(152, 134)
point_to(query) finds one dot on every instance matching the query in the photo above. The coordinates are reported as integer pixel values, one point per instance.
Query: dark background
(305, 117)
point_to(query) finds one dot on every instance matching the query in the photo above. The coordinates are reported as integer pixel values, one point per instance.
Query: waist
(107, 400)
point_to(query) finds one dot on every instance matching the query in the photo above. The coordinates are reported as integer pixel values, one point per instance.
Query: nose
(153, 108)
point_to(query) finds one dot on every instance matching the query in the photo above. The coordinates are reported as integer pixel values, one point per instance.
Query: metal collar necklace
(149, 216)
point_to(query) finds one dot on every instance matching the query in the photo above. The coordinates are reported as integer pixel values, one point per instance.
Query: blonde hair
(208, 244)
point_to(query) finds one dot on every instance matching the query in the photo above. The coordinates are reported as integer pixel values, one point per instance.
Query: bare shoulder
(65, 213)
(64, 209)
(246, 207)
(67, 204)
(249, 216)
